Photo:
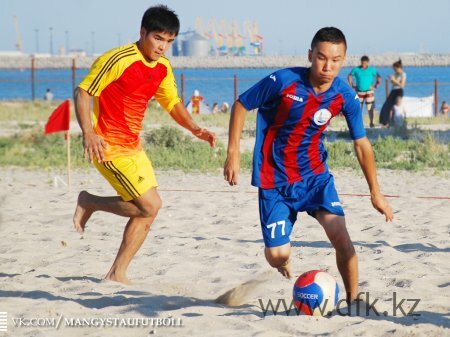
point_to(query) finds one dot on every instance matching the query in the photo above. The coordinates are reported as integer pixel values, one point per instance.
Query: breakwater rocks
(55, 62)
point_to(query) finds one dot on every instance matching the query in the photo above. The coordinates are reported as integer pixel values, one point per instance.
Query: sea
(215, 85)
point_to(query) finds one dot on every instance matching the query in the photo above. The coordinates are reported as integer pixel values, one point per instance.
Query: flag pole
(69, 177)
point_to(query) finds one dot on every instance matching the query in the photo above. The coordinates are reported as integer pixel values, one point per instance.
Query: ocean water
(215, 85)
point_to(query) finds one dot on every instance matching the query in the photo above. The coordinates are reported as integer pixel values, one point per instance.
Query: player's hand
(380, 203)
(231, 168)
(205, 135)
(93, 146)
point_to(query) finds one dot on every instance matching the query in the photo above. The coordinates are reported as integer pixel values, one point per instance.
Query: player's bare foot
(286, 269)
(82, 212)
(117, 277)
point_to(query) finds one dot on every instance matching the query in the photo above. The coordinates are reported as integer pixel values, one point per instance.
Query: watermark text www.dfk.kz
(366, 307)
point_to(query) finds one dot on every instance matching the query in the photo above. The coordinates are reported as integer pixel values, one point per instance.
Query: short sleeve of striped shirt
(266, 89)
(105, 70)
(353, 115)
(167, 93)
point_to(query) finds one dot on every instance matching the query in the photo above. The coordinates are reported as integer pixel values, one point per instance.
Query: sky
(371, 27)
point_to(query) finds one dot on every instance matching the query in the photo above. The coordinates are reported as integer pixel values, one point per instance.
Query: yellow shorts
(130, 176)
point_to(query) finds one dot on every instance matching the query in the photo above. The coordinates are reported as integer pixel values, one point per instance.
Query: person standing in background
(367, 80)
(195, 100)
(398, 80)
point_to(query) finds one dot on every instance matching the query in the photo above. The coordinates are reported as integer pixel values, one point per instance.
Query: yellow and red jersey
(122, 82)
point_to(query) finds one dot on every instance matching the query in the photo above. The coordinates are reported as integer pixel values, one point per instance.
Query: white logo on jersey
(322, 116)
(295, 98)
(273, 77)
(356, 97)
(335, 203)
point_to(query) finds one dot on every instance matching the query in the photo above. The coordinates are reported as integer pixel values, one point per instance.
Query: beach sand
(205, 241)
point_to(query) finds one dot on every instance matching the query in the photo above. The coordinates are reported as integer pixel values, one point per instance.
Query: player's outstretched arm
(93, 144)
(182, 117)
(366, 158)
(232, 163)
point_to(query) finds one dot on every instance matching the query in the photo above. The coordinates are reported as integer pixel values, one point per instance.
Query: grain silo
(195, 45)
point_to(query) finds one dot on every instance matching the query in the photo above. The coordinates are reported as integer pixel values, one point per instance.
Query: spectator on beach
(398, 80)
(367, 80)
(195, 100)
(398, 112)
(224, 108)
(215, 108)
(48, 95)
(444, 109)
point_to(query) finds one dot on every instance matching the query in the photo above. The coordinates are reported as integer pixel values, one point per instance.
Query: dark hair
(328, 34)
(160, 19)
(398, 64)
(365, 58)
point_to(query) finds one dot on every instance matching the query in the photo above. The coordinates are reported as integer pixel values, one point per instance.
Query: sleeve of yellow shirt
(106, 69)
(167, 93)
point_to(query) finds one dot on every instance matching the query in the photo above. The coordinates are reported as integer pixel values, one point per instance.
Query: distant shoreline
(210, 62)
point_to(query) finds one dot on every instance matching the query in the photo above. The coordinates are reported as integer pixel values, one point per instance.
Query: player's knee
(277, 256)
(151, 208)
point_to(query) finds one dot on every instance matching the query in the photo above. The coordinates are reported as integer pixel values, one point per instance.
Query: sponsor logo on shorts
(140, 179)
(335, 203)
(322, 116)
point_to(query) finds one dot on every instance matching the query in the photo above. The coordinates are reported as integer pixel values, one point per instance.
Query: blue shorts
(278, 207)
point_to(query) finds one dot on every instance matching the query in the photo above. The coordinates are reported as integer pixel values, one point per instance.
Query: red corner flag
(59, 120)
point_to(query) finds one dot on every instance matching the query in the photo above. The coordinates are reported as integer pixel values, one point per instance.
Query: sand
(205, 243)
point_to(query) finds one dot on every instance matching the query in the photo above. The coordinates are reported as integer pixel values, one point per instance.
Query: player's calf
(342, 244)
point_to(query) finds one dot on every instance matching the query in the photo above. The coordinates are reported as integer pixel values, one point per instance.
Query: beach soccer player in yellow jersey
(122, 81)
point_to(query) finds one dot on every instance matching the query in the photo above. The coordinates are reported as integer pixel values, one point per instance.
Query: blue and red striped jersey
(291, 122)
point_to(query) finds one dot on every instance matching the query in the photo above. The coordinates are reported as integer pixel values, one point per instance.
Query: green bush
(169, 148)
(32, 148)
(425, 153)
(166, 137)
(341, 155)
